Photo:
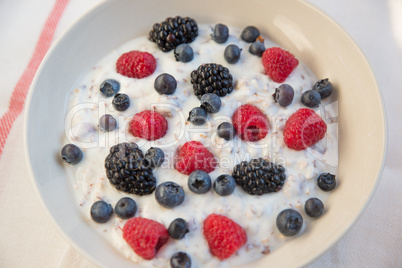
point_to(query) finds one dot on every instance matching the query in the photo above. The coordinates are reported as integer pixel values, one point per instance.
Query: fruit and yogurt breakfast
(200, 145)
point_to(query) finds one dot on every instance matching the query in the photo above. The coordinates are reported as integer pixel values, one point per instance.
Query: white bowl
(295, 25)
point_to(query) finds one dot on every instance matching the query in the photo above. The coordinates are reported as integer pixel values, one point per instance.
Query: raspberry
(224, 236)
(149, 125)
(136, 64)
(145, 236)
(194, 156)
(250, 123)
(303, 129)
(278, 63)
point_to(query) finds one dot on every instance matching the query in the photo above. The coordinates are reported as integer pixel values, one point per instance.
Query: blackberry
(212, 78)
(126, 171)
(173, 32)
(259, 177)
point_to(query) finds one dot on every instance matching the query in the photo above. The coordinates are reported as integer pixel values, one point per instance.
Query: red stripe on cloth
(19, 94)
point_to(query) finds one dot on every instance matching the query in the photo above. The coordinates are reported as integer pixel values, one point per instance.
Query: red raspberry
(149, 125)
(224, 236)
(250, 123)
(278, 63)
(194, 156)
(145, 236)
(303, 129)
(136, 64)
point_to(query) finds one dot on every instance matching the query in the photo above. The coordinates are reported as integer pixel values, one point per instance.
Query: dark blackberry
(259, 177)
(212, 78)
(126, 171)
(173, 32)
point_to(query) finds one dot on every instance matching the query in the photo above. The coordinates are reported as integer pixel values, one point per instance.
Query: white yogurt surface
(256, 214)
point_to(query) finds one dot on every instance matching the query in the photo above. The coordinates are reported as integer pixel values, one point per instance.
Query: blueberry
(311, 98)
(155, 157)
(257, 48)
(314, 207)
(107, 122)
(226, 131)
(125, 208)
(169, 194)
(224, 185)
(250, 34)
(199, 182)
(324, 87)
(211, 102)
(284, 95)
(110, 87)
(326, 182)
(184, 53)
(165, 84)
(197, 116)
(121, 102)
(220, 33)
(289, 222)
(180, 260)
(232, 54)
(71, 154)
(101, 211)
(178, 228)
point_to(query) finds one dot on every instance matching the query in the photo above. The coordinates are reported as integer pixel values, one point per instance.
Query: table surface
(28, 238)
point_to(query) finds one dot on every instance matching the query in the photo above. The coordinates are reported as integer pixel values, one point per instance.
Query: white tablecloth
(28, 239)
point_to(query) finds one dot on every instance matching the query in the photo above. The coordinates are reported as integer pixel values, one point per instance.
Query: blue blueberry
(178, 228)
(314, 207)
(107, 122)
(184, 53)
(125, 208)
(101, 211)
(199, 182)
(165, 84)
(311, 98)
(324, 87)
(211, 102)
(197, 116)
(71, 154)
(169, 194)
(180, 260)
(220, 33)
(121, 102)
(154, 157)
(257, 48)
(326, 182)
(226, 131)
(284, 95)
(289, 222)
(224, 185)
(250, 34)
(109, 87)
(232, 54)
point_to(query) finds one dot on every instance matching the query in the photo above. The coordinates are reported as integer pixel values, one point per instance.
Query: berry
(169, 194)
(220, 33)
(250, 123)
(184, 53)
(121, 102)
(173, 32)
(226, 131)
(211, 78)
(197, 116)
(211, 103)
(224, 185)
(311, 98)
(199, 182)
(284, 95)
(155, 157)
(178, 228)
(125, 208)
(107, 122)
(126, 172)
(257, 48)
(165, 84)
(110, 87)
(289, 222)
(324, 87)
(149, 125)
(314, 207)
(71, 154)
(136, 64)
(224, 236)
(326, 182)
(145, 236)
(180, 260)
(101, 211)
(303, 129)
(250, 34)
(194, 156)
(259, 177)
(278, 63)
(232, 54)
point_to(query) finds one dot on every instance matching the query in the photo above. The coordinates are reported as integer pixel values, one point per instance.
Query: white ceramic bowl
(295, 25)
